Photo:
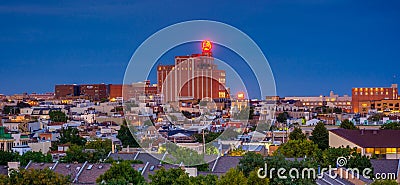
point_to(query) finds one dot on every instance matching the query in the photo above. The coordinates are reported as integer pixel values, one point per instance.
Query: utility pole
(204, 144)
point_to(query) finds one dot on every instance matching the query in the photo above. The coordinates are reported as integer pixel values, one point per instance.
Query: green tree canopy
(354, 159)
(38, 157)
(391, 126)
(183, 155)
(233, 176)
(208, 136)
(346, 124)
(71, 136)
(384, 182)
(298, 149)
(8, 157)
(171, 176)
(126, 137)
(204, 180)
(58, 116)
(75, 153)
(279, 161)
(282, 117)
(34, 177)
(254, 179)
(320, 136)
(121, 172)
(249, 162)
(297, 134)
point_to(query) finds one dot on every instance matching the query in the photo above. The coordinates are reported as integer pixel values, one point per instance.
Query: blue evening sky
(312, 46)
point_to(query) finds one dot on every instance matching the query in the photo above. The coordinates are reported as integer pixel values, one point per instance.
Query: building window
(221, 80)
(390, 150)
(221, 94)
(380, 151)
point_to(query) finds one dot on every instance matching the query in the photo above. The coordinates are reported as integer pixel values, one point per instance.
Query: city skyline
(332, 45)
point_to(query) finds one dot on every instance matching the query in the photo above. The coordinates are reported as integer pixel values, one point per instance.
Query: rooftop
(371, 138)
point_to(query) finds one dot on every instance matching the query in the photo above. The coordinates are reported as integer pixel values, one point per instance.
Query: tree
(183, 155)
(208, 136)
(361, 162)
(253, 179)
(93, 152)
(71, 136)
(249, 162)
(58, 116)
(233, 176)
(320, 136)
(170, 176)
(38, 157)
(297, 134)
(126, 137)
(330, 155)
(346, 124)
(8, 157)
(35, 177)
(384, 182)
(391, 126)
(101, 149)
(121, 172)
(354, 159)
(75, 153)
(279, 161)
(204, 180)
(376, 117)
(11, 110)
(298, 149)
(282, 117)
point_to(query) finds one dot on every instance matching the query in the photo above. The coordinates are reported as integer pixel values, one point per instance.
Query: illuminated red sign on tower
(206, 45)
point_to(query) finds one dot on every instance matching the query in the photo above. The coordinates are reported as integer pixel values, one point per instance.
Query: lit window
(221, 94)
(390, 150)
